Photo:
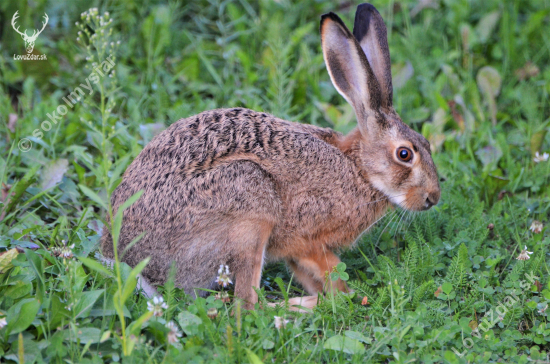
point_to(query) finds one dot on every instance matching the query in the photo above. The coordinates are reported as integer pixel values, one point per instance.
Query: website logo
(29, 39)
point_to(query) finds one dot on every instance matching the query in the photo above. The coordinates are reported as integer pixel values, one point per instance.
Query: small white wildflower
(524, 255)
(280, 322)
(223, 276)
(536, 226)
(174, 333)
(157, 306)
(3, 322)
(541, 158)
(212, 313)
(542, 310)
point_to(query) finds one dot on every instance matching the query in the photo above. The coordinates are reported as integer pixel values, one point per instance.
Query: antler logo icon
(29, 40)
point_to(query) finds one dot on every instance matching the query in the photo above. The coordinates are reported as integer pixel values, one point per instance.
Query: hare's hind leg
(253, 236)
(243, 220)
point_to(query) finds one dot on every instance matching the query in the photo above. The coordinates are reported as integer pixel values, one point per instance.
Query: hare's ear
(370, 31)
(348, 67)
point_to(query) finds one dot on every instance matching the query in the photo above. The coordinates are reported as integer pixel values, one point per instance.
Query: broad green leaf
(86, 301)
(18, 290)
(345, 344)
(487, 25)
(6, 258)
(93, 196)
(37, 265)
(189, 322)
(57, 312)
(341, 267)
(268, 344)
(447, 287)
(21, 315)
(489, 81)
(253, 358)
(95, 265)
(358, 336)
(53, 173)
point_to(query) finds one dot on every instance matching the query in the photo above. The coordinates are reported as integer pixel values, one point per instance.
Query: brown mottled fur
(237, 187)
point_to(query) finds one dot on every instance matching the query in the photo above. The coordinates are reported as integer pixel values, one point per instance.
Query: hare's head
(396, 158)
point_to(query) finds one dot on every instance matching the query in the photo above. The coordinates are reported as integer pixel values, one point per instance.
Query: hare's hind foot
(298, 304)
(313, 271)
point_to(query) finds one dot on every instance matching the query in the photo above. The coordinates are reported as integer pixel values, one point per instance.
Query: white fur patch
(143, 286)
(397, 198)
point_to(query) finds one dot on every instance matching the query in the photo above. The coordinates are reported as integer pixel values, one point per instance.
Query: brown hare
(239, 187)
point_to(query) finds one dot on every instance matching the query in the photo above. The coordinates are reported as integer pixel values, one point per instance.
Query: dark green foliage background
(178, 59)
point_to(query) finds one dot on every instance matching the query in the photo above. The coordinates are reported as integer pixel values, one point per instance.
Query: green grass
(471, 76)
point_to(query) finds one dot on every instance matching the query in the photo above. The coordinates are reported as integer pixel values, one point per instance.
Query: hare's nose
(429, 203)
(432, 199)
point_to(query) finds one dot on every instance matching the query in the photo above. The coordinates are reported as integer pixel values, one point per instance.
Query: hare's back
(193, 145)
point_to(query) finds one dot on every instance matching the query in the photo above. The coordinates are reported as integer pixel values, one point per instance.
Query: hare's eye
(404, 154)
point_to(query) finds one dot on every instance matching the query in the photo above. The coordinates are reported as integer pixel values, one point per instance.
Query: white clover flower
(536, 226)
(541, 158)
(174, 333)
(157, 306)
(280, 322)
(223, 276)
(3, 322)
(524, 255)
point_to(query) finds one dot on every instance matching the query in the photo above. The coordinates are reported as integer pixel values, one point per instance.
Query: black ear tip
(366, 8)
(363, 16)
(332, 17)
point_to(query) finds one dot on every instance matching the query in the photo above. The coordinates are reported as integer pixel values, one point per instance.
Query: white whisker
(396, 214)
(371, 225)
